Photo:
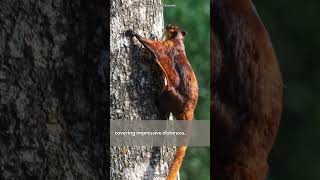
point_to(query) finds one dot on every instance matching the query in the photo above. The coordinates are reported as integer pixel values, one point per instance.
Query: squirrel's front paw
(130, 33)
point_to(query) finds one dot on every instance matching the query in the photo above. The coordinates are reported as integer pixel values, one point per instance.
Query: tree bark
(135, 82)
(52, 90)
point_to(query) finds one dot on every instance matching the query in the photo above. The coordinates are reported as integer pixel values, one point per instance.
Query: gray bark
(52, 94)
(135, 82)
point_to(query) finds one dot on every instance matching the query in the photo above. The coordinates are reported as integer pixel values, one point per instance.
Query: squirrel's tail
(181, 151)
(177, 162)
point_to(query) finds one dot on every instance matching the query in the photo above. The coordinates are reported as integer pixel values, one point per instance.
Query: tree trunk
(135, 82)
(52, 90)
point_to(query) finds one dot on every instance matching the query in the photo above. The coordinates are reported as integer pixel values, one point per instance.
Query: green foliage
(194, 18)
(294, 29)
(196, 165)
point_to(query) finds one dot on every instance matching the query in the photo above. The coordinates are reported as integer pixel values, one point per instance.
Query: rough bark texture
(52, 93)
(135, 82)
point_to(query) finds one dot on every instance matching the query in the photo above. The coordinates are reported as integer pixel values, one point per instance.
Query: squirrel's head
(173, 32)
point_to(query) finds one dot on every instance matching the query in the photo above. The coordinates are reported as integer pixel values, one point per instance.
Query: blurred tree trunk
(135, 82)
(52, 90)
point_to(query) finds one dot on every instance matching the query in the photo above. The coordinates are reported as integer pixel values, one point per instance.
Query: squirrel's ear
(183, 33)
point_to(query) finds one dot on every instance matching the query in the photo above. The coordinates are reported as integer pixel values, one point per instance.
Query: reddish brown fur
(246, 92)
(180, 95)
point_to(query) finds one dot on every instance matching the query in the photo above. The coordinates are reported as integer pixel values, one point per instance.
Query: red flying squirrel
(246, 91)
(180, 92)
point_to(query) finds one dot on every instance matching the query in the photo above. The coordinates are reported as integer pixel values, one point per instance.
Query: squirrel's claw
(130, 33)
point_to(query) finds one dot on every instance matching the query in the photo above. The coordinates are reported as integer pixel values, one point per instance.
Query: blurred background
(194, 18)
(294, 27)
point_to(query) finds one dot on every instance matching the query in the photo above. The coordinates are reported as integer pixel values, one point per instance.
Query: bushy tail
(177, 162)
